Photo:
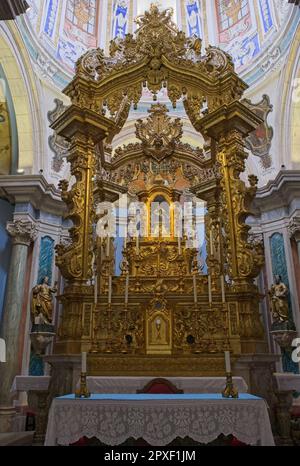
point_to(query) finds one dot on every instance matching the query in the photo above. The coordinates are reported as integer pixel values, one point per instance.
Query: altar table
(158, 419)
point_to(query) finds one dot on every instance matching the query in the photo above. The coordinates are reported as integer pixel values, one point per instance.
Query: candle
(109, 289)
(83, 363)
(179, 245)
(96, 289)
(227, 362)
(137, 244)
(195, 289)
(211, 244)
(209, 290)
(108, 246)
(223, 289)
(127, 289)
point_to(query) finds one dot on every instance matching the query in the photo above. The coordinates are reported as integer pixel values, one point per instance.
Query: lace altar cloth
(158, 419)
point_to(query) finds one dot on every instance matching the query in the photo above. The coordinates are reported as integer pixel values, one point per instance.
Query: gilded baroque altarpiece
(175, 320)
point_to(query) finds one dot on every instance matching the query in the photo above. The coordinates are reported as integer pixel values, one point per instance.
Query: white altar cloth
(26, 383)
(158, 419)
(287, 382)
(187, 384)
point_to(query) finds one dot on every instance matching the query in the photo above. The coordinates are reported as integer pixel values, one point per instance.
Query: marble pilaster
(23, 233)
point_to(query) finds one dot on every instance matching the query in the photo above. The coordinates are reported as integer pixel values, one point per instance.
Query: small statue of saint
(41, 303)
(279, 300)
(124, 266)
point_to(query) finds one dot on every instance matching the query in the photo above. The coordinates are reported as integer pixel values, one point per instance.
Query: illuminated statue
(41, 304)
(124, 266)
(160, 221)
(279, 300)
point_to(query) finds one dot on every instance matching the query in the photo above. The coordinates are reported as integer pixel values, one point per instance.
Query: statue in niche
(41, 303)
(160, 222)
(279, 300)
(124, 266)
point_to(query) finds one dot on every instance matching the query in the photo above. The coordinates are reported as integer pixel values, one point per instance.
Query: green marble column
(22, 234)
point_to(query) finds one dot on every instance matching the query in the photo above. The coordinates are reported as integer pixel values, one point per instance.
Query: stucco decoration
(260, 141)
(57, 144)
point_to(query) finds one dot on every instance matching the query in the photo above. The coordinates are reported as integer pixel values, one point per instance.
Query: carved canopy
(157, 56)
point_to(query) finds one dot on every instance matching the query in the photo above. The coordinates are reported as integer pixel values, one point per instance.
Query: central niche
(159, 327)
(160, 217)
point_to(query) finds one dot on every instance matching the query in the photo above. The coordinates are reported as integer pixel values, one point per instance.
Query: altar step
(19, 439)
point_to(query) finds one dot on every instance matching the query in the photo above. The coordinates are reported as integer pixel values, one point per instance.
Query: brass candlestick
(82, 391)
(230, 391)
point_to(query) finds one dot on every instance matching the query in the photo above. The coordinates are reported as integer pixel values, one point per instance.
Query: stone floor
(16, 439)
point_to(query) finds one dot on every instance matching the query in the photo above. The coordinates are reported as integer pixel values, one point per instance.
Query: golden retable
(163, 314)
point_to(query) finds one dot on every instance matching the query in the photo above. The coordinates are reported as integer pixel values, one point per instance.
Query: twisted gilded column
(84, 129)
(23, 233)
(240, 258)
(229, 126)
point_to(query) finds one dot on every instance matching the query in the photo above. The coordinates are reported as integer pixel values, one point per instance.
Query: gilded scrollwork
(91, 64)
(193, 105)
(198, 329)
(218, 61)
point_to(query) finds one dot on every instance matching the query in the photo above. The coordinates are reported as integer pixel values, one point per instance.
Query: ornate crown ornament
(159, 133)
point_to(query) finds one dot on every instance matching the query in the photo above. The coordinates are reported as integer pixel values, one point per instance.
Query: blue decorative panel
(51, 16)
(193, 18)
(246, 51)
(120, 19)
(279, 267)
(288, 364)
(36, 365)
(69, 53)
(266, 15)
(46, 258)
(279, 264)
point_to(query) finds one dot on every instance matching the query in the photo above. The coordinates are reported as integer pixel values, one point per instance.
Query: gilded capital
(294, 228)
(22, 232)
